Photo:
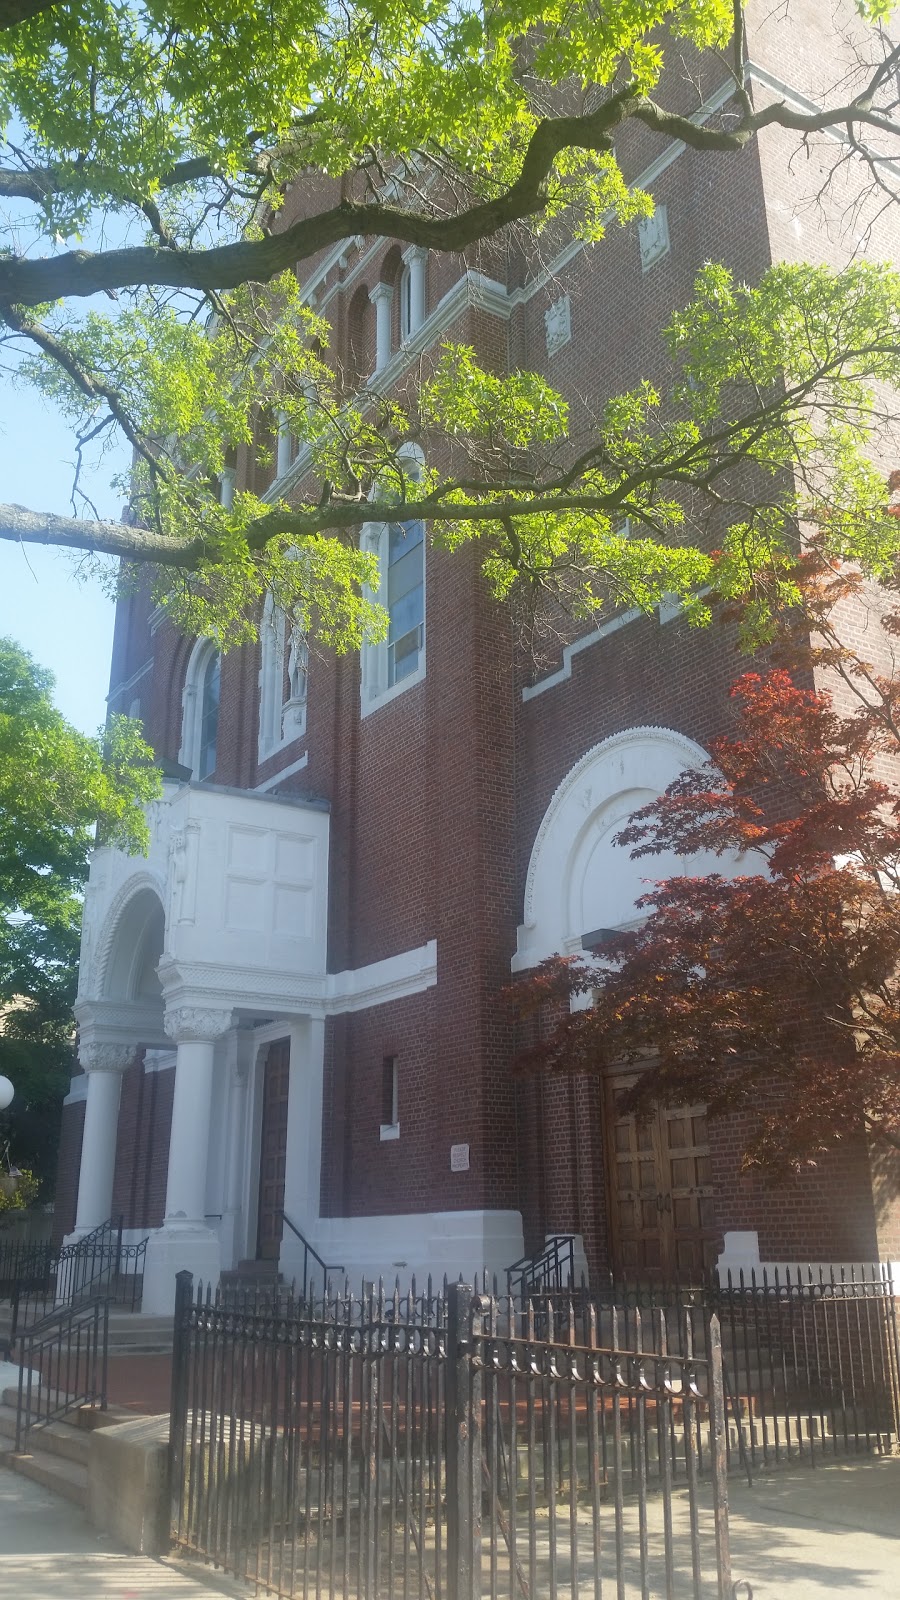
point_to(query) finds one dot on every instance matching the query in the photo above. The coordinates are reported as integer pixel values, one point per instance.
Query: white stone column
(226, 487)
(184, 1242)
(415, 259)
(381, 297)
(104, 1065)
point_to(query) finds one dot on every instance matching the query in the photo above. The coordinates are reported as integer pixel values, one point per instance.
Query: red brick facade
(436, 797)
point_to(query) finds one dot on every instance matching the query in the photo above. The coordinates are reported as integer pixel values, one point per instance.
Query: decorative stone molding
(558, 324)
(196, 1022)
(107, 1057)
(653, 234)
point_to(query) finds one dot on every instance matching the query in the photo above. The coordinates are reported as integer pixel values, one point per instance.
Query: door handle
(664, 1203)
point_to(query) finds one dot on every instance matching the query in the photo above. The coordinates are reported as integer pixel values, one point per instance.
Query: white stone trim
(159, 1061)
(129, 683)
(358, 988)
(78, 1088)
(435, 1242)
(755, 73)
(563, 673)
(634, 761)
(389, 1131)
(285, 772)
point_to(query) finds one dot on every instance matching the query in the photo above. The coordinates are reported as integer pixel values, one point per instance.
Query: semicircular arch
(133, 943)
(578, 880)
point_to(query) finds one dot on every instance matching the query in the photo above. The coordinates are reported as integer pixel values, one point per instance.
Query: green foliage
(114, 93)
(21, 1196)
(56, 787)
(195, 123)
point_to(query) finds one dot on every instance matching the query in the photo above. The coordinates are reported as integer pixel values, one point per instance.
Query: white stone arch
(133, 942)
(192, 701)
(578, 881)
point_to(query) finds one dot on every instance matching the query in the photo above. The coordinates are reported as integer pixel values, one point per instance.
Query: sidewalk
(802, 1535)
(49, 1552)
(819, 1534)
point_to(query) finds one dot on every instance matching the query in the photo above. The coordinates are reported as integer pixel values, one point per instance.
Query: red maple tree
(779, 988)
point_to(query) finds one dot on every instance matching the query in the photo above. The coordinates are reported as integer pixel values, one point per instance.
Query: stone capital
(196, 1022)
(381, 291)
(106, 1057)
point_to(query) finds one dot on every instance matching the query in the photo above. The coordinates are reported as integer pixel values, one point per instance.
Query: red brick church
(291, 1004)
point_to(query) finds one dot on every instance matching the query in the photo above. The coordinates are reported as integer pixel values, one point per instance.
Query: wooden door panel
(660, 1179)
(273, 1149)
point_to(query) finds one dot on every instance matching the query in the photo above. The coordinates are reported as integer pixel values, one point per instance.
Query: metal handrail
(546, 1269)
(68, 1353)
(77, 1273)
(308, 1250)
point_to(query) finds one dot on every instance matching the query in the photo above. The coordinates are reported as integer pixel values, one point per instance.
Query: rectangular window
(405, 598)
(390, 1098)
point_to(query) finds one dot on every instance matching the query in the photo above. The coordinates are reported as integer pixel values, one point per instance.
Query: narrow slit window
(209, 717)
(390, 1093)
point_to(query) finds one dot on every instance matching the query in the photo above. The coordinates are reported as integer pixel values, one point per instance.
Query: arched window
(209, 717)
(284, 657)
(200, 710)
(404, 288)
(398, 661)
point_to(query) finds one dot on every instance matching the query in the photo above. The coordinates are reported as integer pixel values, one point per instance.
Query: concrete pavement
(48, 1552)
(798, 1535)
(820, 1534)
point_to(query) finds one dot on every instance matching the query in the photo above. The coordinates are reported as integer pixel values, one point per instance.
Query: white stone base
(172, 1250)
(436, 1242)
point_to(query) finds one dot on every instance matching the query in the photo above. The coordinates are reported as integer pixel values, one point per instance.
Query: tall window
(405, 598)
(283, 673)
(406, 310)
(200, 710)
(209, 717)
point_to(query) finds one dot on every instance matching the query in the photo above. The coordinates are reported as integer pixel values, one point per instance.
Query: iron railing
(811, 1356)
(23, 1263)
(552, 1268)
(64, 1360)
(309, 1253)
(436, 1446)
(100, 1264)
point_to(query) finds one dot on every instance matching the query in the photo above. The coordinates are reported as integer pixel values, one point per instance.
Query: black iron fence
(448, 1444)
(811, 1357)
(38, 1279)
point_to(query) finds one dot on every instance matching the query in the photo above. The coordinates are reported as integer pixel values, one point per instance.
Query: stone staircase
(58, 1453)
(130, 1332)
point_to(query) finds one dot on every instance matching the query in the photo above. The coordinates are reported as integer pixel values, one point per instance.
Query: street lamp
(7, 1093)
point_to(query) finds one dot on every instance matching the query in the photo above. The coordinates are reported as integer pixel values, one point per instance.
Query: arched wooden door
(273, 1149)
(662, 1208)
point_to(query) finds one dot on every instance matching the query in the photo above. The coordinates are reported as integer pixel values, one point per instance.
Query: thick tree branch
(12, 12)
(82, 273)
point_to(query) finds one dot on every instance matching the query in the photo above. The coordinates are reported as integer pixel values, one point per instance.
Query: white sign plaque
(459, 1158)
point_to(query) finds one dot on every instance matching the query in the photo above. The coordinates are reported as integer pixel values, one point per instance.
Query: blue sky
(63, 620)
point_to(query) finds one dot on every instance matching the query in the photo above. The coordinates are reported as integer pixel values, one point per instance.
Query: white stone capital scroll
(196, 1022)
(106, 1057)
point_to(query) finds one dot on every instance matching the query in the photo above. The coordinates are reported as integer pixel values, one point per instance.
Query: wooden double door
(273, 1150)
(662, 1208)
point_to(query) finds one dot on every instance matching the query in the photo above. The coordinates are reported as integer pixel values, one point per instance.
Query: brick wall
(436, 797)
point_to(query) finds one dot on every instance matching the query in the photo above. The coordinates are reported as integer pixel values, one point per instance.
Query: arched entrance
(651, 1183)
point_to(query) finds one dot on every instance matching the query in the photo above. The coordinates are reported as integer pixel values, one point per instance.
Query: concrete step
(67, 1440)
(66, 1478)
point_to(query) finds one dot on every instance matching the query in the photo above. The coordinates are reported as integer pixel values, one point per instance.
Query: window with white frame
(397, 662)
(200, 710)
(404, 286)
(283, 676)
